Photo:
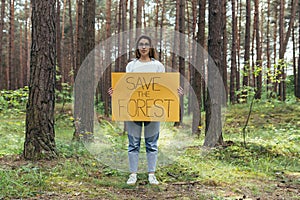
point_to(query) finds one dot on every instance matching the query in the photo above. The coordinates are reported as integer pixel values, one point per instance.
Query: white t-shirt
(151, 66)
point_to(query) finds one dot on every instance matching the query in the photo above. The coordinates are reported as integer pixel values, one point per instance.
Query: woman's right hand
(110, 91)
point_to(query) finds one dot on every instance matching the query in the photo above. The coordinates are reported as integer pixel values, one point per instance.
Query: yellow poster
(145, 96)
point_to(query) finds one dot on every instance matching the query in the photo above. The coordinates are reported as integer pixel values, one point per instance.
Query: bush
(13, 99)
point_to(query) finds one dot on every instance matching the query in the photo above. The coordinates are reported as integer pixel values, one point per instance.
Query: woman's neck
(144, 59)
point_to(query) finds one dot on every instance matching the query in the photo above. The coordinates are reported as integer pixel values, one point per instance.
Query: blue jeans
(151, 134)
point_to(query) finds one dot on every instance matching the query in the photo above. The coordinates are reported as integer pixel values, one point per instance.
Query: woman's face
(144, 46)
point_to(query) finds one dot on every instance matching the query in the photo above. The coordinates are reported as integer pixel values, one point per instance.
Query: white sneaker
(152, 179)
(132, 179)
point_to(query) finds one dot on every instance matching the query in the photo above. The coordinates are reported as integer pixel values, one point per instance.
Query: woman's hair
(152, 51)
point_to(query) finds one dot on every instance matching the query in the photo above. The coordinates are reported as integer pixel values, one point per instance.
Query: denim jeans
(151, 134)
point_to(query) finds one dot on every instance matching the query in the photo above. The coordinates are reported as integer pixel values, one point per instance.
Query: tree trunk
(139, 4)
(11, 54)
(273, 94)
(182, 55)
(21, 64)
(258, 72)
(246, 69)
(175, 43)
(84, 87)
(26, 44)
(131, 36)
(40, 136)
(124, 37)
(79, 37)
(294, 60)
(268, 52)
(72, 39)
(224, 46)
(233, 55)
(298, 70)
(198, 77)
(238, 76)
(58, 82)
(2, 68)
(107, 75)
(283, 44)
(63, 67)
(161, 30)
(213, 128)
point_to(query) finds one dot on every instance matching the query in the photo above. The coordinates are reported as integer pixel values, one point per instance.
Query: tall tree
(238, 77)
(107, 79)
(21, 64)
(84, 88)
(233, 54)
(78, 37)
(131, 41)
(63, 67)
(213, 128)
(224, 46)
(246, 69)
(72, 45)
(161, 30)
(198, 77)
(258, 69)
(268, 49)
(298, 71)
(58, 84)
(182, 54)
(175, 43)
(124, 37)
(11, 54)
(139, 4)
(2, 68)
(26, 44)
(40, 136)
(284, 39)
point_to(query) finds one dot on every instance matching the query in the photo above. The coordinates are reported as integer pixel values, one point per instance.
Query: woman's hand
(180, 91)
(110, 91)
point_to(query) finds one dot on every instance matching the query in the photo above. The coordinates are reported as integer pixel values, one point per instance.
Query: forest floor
(267, 168)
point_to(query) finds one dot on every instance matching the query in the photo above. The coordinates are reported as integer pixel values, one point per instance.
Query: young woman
(145, 61)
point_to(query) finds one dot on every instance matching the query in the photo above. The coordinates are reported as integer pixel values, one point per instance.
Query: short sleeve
(128, 67)
(161, 67)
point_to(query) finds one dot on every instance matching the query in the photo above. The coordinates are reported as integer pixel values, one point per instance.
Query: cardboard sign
(145, 97)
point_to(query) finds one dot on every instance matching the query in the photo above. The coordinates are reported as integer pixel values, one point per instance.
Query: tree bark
(284, 38)
(268, 52)
(3, 84)
(258, 72)
(233, 55)
(13, 73)
(107, 76)
(224, 46)
(79, 37)
(298, 70)
(40, 136)
(72, 54)
(84, 87)
(175, 43)
(213, 128)
(246, 69)
(139, 4)
(199, 74)
(182, 55)
(58, 84)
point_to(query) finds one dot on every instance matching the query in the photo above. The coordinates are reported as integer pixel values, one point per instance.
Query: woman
(145, 61)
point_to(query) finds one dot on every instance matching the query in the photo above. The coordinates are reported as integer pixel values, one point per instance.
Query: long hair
(152, 51)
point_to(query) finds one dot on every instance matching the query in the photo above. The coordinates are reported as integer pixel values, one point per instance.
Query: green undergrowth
(271, 156)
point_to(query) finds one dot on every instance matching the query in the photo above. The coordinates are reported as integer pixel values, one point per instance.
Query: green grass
(271, 157)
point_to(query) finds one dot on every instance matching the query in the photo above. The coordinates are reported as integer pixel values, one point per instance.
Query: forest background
(255, 45)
